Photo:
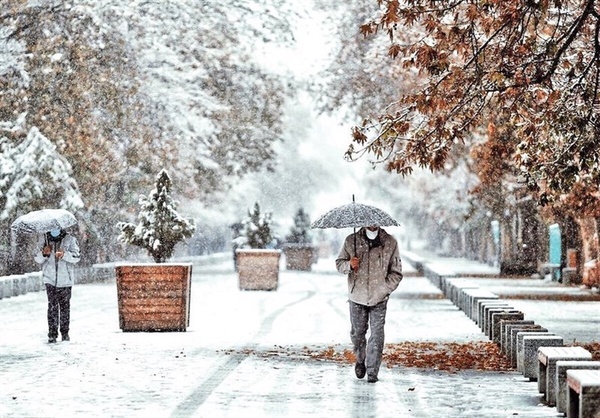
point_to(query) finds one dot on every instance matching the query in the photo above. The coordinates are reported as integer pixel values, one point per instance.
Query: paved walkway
(216, 369)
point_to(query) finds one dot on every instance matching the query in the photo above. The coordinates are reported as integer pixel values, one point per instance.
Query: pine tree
(160, 227)
(300, 231)
(258, 232)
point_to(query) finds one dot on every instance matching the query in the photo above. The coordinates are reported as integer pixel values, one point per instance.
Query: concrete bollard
(3, 292)
(474, 298)
(19, 284)
(34, 281)
(488, 329)
(531, 344)
(518, 344)
(452, 285)
(508, 326)
(547, 359)
(486, 316)
(561, 379)
(498, 320)
(482, 304)
(583, 396)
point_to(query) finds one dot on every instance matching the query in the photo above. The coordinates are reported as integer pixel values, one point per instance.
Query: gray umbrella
(41, 221)
(354, 215)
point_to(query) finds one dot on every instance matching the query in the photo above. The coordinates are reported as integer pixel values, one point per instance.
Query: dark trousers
(360, 317)
(59, 309)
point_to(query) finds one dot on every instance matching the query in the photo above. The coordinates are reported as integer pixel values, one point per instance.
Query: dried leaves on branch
(535, 65)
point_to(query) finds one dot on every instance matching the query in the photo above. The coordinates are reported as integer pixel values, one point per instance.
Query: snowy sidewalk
(570, 311)
(208, 371)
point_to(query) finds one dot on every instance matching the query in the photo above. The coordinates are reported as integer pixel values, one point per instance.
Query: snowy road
(216, 369)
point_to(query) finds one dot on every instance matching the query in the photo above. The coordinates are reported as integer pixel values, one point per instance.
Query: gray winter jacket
(380, 269)
(59, 273)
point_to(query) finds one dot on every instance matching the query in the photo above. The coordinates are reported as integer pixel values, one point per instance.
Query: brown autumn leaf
(452, 357)
(499, 68)
(394, 50)
(593, 347)
(427, 355)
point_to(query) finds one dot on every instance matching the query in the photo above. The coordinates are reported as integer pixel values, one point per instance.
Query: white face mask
(372, 234)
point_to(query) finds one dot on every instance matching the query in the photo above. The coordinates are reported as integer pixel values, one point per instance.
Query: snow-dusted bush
(300, 231)
(160, 227)
(258, 232)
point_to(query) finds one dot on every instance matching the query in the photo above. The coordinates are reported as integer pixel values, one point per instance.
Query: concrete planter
(258, 269)
(299, 256)
(154, 297)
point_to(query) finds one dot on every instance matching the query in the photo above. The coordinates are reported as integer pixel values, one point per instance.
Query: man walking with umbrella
(371, 259)
(57, 252)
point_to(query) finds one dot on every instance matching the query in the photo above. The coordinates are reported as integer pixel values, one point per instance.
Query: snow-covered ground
(208, 371)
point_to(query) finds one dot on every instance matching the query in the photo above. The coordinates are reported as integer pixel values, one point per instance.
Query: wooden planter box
(258, 269)
(154, 297)
(298, 256)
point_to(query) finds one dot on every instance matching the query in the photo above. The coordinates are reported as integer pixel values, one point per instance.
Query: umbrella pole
(354, 230)
(354, 282)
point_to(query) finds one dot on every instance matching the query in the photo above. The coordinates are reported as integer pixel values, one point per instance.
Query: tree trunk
(520, 255)
(571, 239)
(597, 241)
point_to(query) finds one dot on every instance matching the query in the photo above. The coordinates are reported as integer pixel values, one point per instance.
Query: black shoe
(51, 340)
(372, 379)
(360, 370)
(65, 337)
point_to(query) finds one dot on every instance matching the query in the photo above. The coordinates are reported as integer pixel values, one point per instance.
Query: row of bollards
(566, 376)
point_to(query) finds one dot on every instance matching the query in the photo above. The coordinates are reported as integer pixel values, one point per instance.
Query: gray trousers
(360, 318)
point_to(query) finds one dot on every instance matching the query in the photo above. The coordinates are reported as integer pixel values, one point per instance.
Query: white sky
(325, 139)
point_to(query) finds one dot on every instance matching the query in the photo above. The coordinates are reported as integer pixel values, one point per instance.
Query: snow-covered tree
(355, 79)
(12, 62)
(535, 64)
(146, 82)
(124, 88)
(76, 81)
(160, 226)
(434, 207)
(34, 175)
(257, 230)
(300, 231)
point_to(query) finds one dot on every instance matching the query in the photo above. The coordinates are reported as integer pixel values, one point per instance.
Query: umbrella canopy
(354, 215)
(41, 221)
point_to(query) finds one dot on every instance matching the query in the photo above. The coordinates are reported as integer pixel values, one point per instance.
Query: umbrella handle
(354, 231)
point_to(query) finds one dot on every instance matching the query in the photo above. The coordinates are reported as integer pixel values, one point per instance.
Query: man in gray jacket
(371, 259)
(57, 252)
